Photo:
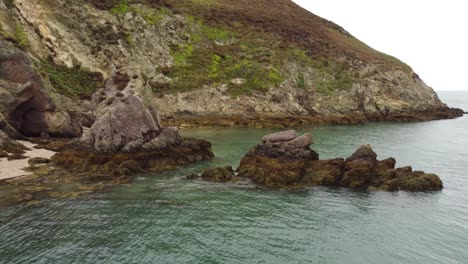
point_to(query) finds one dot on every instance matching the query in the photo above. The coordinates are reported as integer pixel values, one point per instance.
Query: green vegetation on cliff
(20, 36)
(151, 15)
(216, 55)
(264, 42)
(73, 82)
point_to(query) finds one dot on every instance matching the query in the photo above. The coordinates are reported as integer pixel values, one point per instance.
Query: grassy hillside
(254, 40)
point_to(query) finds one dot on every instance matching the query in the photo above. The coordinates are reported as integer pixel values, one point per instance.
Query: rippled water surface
(162, 218)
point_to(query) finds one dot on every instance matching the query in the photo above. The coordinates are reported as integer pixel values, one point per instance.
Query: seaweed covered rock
(285, 160)
(38, 161)
(279, 161)
(221, 174)
(127, 138)
(359, 168)
(53, 144)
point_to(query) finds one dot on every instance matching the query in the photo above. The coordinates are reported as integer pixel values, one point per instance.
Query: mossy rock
(38, 161)
(221, 174)
(78, 157)
(323, 172)
(271, 172)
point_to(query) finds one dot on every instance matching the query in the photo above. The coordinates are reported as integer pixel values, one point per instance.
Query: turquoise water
(162, 218)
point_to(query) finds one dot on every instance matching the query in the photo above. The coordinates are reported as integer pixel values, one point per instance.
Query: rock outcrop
(221, 174)
(285, 160)
(9, 146)
(126, 137)
(24, 102)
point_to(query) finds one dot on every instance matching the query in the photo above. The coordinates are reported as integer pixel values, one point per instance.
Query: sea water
(163, 218)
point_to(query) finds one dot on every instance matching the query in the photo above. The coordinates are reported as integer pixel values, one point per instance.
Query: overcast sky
(429, 35)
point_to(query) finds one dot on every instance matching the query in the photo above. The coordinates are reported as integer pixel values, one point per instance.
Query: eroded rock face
(8, 129)
(25, 105)
(292, 164)
(126, 137)
(123, 123)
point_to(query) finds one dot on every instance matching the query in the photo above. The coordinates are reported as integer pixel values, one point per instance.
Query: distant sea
(457, 99)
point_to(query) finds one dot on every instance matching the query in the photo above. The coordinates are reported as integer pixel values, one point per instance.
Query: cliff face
(215, 62)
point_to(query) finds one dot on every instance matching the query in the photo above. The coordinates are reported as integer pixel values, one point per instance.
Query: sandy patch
(15, 168)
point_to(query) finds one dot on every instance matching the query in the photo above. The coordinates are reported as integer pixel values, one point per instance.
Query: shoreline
(11, 169)
(300, 121)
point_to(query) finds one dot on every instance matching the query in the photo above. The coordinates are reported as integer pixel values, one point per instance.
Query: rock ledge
(284, 161)
(127, 138)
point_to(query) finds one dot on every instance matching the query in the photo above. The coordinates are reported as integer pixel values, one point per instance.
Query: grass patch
(300, 81)
(121, 8)
(4, 34)
(74, 82)
(151, 15)
(129, 38)
(334, 77)
(199, 31)
(20, 36)
(216, 55)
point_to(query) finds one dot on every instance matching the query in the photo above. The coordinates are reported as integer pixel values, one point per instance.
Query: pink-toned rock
(280, 136)
(301, 142)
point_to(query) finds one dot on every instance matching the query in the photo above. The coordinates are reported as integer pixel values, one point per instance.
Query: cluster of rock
(127, 137)
(285, 160)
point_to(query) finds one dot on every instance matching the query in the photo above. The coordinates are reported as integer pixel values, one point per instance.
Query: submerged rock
(127, 138)
(37, 161)
(287, 161)
(221, 174)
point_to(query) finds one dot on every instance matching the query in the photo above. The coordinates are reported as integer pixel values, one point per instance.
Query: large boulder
(359, 168)
(123, 122)
(126, 137)
(24, 101)
(279, 161)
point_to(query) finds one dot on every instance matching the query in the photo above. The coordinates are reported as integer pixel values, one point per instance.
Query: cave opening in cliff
(29, 118)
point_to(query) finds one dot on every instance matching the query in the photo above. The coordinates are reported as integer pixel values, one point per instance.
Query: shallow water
(162, 218)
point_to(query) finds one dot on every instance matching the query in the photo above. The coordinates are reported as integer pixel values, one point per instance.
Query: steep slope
(219, 62)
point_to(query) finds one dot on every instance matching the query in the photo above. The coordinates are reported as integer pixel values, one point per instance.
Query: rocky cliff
(203, 62)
